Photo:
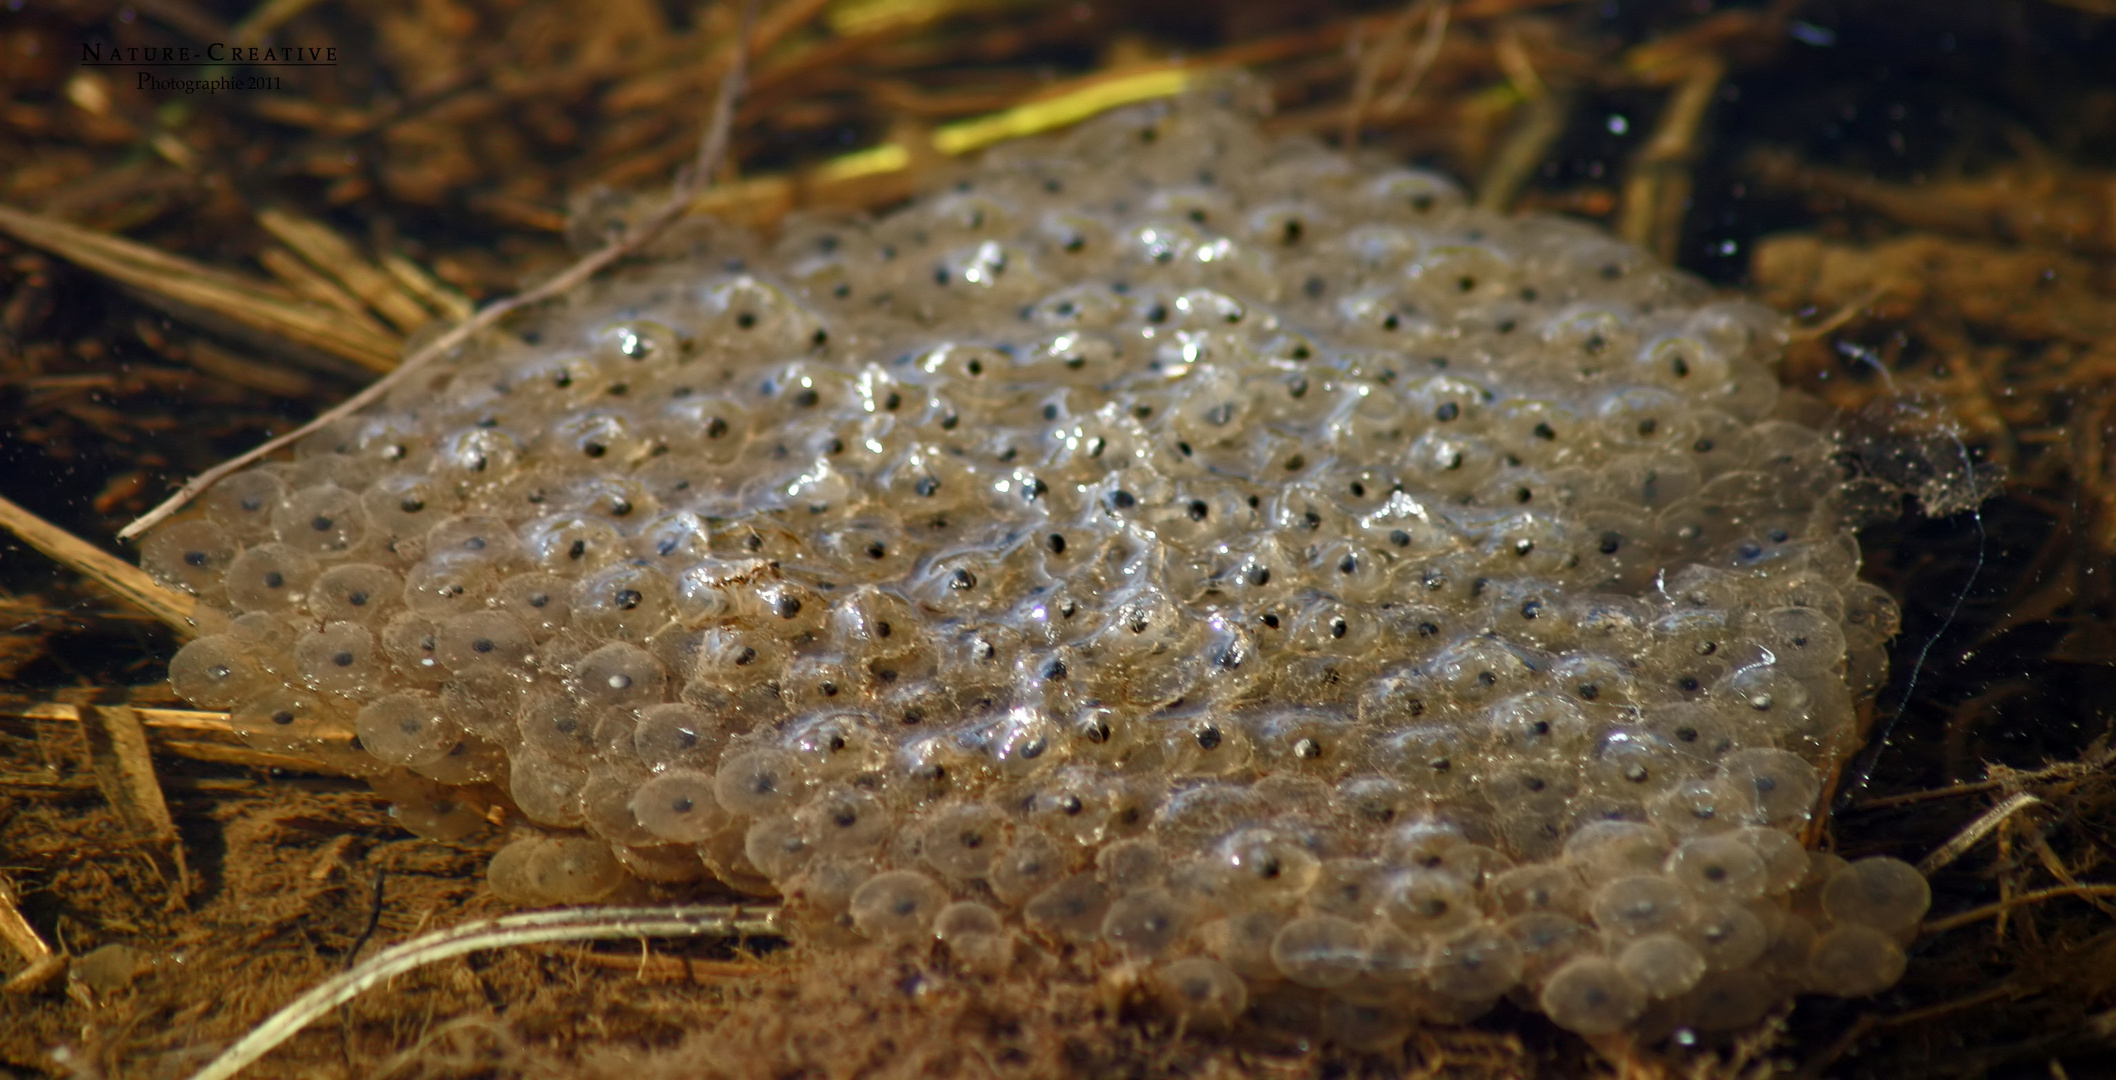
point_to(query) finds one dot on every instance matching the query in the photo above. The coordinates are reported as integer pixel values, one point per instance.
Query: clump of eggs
(1166, 543)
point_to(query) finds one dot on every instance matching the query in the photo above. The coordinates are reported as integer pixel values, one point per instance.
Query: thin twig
(689, 182)
(2095, 760)
(1975, 831)
(1992, 911)
(527, 928)
(1868, 1022)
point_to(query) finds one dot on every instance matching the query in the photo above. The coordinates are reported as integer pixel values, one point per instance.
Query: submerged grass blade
(528, 928)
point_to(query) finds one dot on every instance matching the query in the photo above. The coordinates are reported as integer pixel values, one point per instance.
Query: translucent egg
(1201, 991)
(844, 821)
(482, 638)
(441, 815)
(547, 789)
(404, 505)
(1349, 888)
(1729, 935)
(1071, 910)
(1886, 894)
(758, 783)
(192, 555)
(897, 905)
(1429, 902)
(662, 865)
(357, 593)
(214, 672)
(1261, 865)
(677, 735)
(280, 719)
(269, 639)
(1775, 787)
(1784, 860)
(1592, 996)
(1320, 951)
(323, 521)
(975, 936)
(776, 846)
(606, 809)
(447, 585)
(340, 658)
(270, 577)
(572, 544)
(1603, 851)
(538, 602)
(409, 641)
(618, 675)
(1731, 1000)
(1722, 866)
(406, 728)
(678, 806)
(470, 761)
(557, 725)
(1030, 863)
(961, 841)
(1663, 965)
(1547, 941)
(1146, 922)
(573, 870)
(243, 504)
(1205, 746)
(508, 876)
(1476, 965)
(1855, 960)
(1633, 907)
(1543, 887)
(1126, 865)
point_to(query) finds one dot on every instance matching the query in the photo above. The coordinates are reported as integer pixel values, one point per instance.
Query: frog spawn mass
(1165, 542)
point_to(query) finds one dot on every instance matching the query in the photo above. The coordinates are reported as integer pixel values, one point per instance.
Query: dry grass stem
(16, 930)
(1541, 124)
(216, 296)
(117, 747)
(124, 771)
(1974, 832)
(1072, 104)
(510, 931)
(1377, 56)
(335, 257)
(184, 733)
(1399, 95)
(124, 580)
(430, 291)
(1657, 192)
